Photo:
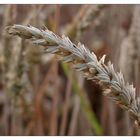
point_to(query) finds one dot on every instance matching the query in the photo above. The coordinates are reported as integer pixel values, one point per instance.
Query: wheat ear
(83, 60)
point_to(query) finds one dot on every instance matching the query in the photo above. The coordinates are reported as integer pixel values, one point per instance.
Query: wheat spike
(83, 60)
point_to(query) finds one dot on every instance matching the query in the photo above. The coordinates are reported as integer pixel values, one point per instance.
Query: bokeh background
(40, 95)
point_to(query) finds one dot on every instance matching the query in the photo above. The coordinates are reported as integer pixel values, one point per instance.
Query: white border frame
(69, 2)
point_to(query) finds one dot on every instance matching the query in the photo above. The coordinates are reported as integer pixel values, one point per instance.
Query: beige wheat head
(83, 60)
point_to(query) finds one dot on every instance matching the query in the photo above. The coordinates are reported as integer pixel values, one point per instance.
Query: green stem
(85, 104)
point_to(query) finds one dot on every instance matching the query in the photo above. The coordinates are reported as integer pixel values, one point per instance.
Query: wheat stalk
(91, 15)
(87, 15)
(83, 60)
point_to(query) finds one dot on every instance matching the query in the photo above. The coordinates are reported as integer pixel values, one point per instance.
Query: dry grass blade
(65, 108)
(83, 60)
(38, 102)
(75, 113)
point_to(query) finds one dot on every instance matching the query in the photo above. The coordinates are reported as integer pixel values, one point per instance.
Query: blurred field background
(40, 95)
